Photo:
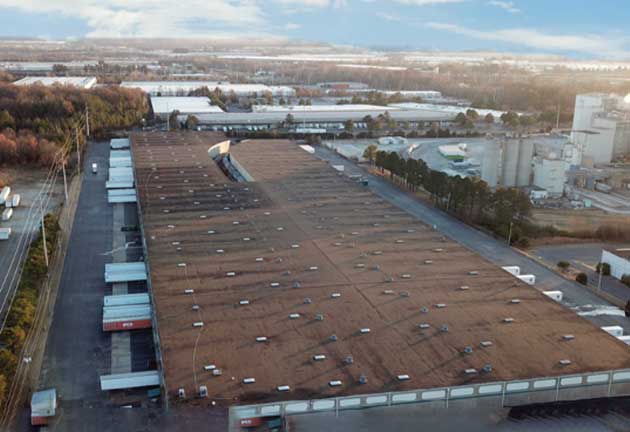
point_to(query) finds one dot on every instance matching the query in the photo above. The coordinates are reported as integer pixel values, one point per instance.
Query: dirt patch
(576, 221)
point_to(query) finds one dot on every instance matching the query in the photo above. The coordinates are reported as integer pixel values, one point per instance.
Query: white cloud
(596, 45)
(149, 18)
(389, 17)
(428, 2)
(505, 5)
(291, 26)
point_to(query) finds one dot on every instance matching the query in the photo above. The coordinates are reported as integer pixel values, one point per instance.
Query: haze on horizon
(563, 27)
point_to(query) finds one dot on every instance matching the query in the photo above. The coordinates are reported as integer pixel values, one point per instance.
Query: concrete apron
(121, 340)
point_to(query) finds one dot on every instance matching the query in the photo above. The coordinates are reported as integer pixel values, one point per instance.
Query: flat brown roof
(289, 243)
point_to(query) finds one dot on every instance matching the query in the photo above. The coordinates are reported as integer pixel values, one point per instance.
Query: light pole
(599, 282)
(509, 240)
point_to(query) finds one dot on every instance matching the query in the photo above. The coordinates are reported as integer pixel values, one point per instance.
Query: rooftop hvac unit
(243, 302)
(389, 279)
(406, 276)
(319, 357)
(515, 301)
(362, 379)
(388, 292)
(404, 294)
(203, 391)
(473, 273)
(294, 316)
(261, 339)
(485, 344)
(259, 259)
(216, 372)
(198, 324)
(283, 388)
(211, 232)
(296, 284)
(295, 246)
(411, 230)
(195, 307)
(565, 362)
(181, 393)
(424, 310)
(440, 305)
(468, 350)
(230, 274)
(399, 241)
(377, 253)
(313, 268)
(360, 265)
(319, 317)
(181, 265)
(333, 338)
(274, 284)
(424, 326)
(364, 330)
(335, 295)
(487, 368)
(508, 320)
(209, 367)
(220, 251)
(348, 360)
(444, 328)
(470, 371)
(376, 267)
(249, 380)
(428, 262)
(335, 383)
(438, 250)
(403, 377)
(568, 337)
(246, 239)
(189, 291)
(464, 288)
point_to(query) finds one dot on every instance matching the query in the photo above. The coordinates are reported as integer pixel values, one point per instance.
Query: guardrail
(605, 381)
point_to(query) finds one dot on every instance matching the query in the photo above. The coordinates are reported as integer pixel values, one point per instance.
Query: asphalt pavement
(575, 296)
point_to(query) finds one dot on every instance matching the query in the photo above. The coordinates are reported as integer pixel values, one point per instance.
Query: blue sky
(577, 28)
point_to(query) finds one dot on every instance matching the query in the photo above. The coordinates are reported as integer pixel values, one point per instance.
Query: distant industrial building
(80, 82)
(320, 108)
(183, 88)
(619, 261)
(601, 127)
(163, 106)
(508, 162)
(450, 109)
(550, 175)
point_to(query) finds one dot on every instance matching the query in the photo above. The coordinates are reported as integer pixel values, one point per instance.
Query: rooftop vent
(296, 284)
(294, 316)
(261, 339)
(209, 367)
(568, 337)
(307, 300)
(388, 292)
(400, 241)
(246, 239)
(515, 301)
(181, 265)
(181, 393)
(362, 379)
(440, 305)
(313, 268)
(319, 357)
(487, 368)
(319, 317)
(198, 324)
(359, 265)
(404, 294)
(464, 288)
(377, 224)
(259, 259)
(211, 231)
(364, 330)
(195, 307)
(295, 246)
(508, 320)
(424, 326)
(406, 276)
(335, 383)
(468, 350)
(274, 284)
(335, 295)
(216, 372)
(243, 302)
(189, 291)
(444, 328)
(230, 274)
(565, 362)
(280, 229)
(377, 253)
(249, 380)
(473, 273)
(438, 250)
(333, 338)
(283, 388)
(470, 371)
(428, 262)
(485, 344)
(424, 310)
(348, 360)
(403, 377)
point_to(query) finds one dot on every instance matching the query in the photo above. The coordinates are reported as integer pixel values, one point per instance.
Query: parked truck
(7, 214)
(13, 202)
(5, 233)
(4, 194)
(43, 406)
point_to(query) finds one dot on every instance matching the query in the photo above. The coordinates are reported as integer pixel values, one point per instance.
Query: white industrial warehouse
(183, 88)
(80, 82)
(164, 105)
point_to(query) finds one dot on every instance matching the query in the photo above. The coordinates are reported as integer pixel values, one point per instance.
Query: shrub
(523, 243)
(563, 265)
(582, 278)
(626, 279)
(604, 268)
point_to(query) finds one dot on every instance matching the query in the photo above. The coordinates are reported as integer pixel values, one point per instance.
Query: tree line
(469, 199)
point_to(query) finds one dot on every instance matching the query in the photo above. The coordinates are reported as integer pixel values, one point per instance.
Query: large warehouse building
(183, 88)
(81, 82)
(300, 290)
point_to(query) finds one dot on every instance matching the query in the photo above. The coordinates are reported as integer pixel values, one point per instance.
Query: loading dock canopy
(127, 195)
(119, 184)
(44, 403)
(130, 380)
(125, 272)
(126, 317)
(119, 143)
(126, 299)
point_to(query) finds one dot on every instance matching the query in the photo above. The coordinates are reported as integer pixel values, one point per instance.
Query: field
(578, 220)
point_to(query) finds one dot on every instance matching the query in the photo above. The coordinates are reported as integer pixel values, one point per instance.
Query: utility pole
(599, 282)
(509, 240)
(44, 239)
(558, 118)
(76, 137)
(87, 120)
(65, 182)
